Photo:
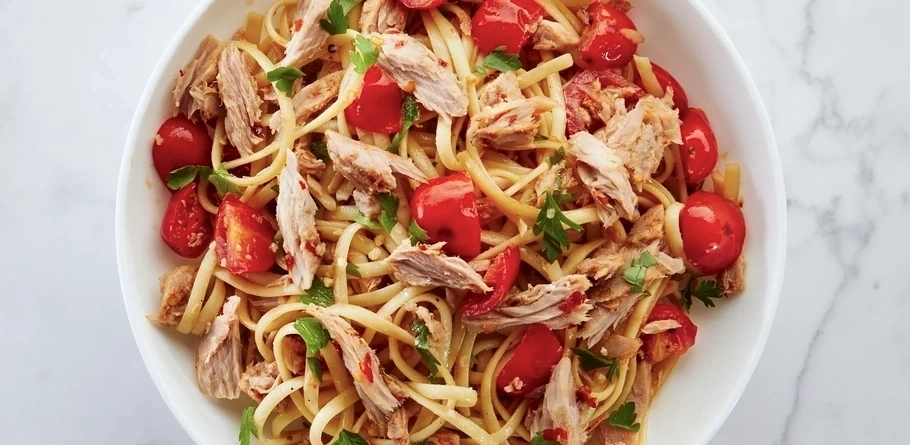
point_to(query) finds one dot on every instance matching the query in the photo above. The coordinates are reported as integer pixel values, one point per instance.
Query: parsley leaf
(318, 294)
(336, 21)
(314, 335)
(624, 417)
(219, 177)
(422, 343)
(539, 440)
(416, 234)
(368, 223)
(498, 61)
(348, 438)
(315, 367)
(353, 270)
(179, 178)
(557, 157)
(479, 69)
(364, 54)
(247, 426)
(549, 222)
(411, 114)
(635, 273)
(388, 216)
(284, 77)
(275, 188)
(590, 361)
(320, 150)
(705, 290)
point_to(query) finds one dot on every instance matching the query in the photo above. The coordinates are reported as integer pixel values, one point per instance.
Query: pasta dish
(419, 221)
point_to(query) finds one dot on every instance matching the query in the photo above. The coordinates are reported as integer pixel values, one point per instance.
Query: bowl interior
(682, 37)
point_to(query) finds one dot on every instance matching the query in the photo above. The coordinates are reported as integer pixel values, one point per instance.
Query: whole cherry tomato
(606, 42)
(501, 277)
(505, 23)
(713, 231)
(530, 364)
(243, 237)
(445, 208)
(178, 143)
(578, 91)
(665, 79)
(699, 148)
(657, 347)
(186, 227)
(378, 107)
(421, 4)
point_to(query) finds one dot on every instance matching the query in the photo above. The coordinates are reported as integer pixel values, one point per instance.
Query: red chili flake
(302, 184)
(257, 129)
(289, 261)
(572, 302)
(298, 24)
(422, 246)
(584, 396)
(181, 73)
(443, 63)
(555, 434)
(310, 247)
(366, 367)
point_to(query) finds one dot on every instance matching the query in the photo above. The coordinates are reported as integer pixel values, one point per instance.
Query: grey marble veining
(833, 75)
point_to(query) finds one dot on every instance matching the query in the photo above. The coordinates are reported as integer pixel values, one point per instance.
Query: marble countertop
(832, 74)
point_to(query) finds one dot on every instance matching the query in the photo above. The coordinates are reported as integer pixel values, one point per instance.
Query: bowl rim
(772, 295)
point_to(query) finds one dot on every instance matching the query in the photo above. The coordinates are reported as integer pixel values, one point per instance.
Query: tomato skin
(186, 227)
(713, 231)
(230, 153)
(657, 347)
(531, 362)
(699, 148)
(178, 143)
(501, 277)
(665, 79)
(603, 44)
(243, 237)
(421, 4)
(378, 107)
(576, 93)
(505, 23)
(446, 209)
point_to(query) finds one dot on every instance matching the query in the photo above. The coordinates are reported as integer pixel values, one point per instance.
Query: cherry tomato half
(713, 231)
(178, 143)
(501, 277)
(243, 237)
(186, 227)
(505, 23)
(657, 347)
(421, 4)
(378, 107)
(604, 43)
(530, 364)
(578, 91)
(699, 148)
(445, 208)
(665, 79)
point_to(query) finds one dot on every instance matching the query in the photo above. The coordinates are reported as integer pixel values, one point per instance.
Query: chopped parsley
(416, 234)
(422, 343)
(364, 54)
(635, 273)
(318, 294)
(316, 337)
(590, 361)
(411, 113)
(315, 367)
(220, 178)
(550, 222)
(320, 150)
(348, 438)
(368, 223)
(284, 77)
(247, 426)
(275, 188)
(539, 440)
(353, 270)
(498, 61)
(336, 21)
(557, 157)
(388, 215)
(624, 417)
(705, 291)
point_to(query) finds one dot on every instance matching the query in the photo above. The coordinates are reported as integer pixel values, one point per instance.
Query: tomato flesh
(665, 79)
(243, 237)
(713, 231)
(501, 277)
(178, 143)
(186, 227)
(529, 365)
(699, 148)
(578, 92)
(446, 209)
(657, 347)
(378, 107)
(603, 43)
(421, 4)
(505, 23)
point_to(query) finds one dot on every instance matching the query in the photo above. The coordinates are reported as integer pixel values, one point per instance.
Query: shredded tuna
(621, 347)
(552, 36)
(311, 98)
(559, 408)
(195, 92)
(439, 339)
(641, 396)
(382, 16)
(308, 38)
(412, 64)
(543, 303)
(296, 212)
(219, 357)
(733, 279)
(656, 327)
(293, 348)
(503, 88)
(443, 437)
(425, 265)
(509, 124)
(605, 178)
(175, 287)
(307, 163)
(557, 178)
(259, 380)
(238, 92)
(610, 259)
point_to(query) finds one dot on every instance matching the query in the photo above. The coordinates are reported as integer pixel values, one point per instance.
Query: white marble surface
(833, 74)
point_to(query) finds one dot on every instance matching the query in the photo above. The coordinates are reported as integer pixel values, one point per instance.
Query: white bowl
(681, 36)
